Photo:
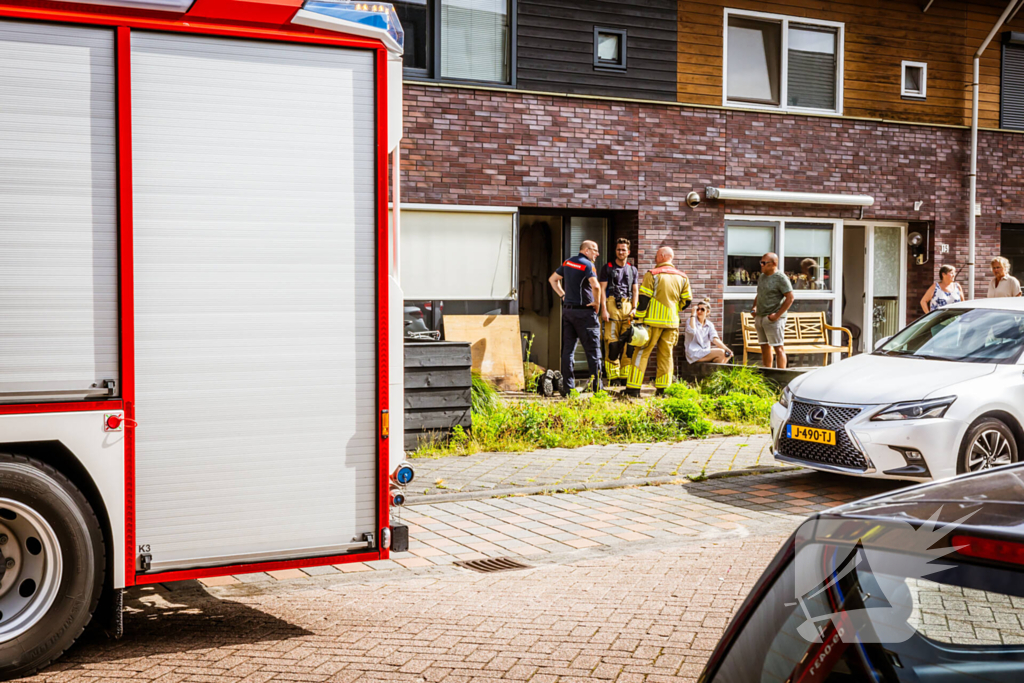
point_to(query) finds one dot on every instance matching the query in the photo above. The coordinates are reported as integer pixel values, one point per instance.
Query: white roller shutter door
(255, 303)
(58, 212)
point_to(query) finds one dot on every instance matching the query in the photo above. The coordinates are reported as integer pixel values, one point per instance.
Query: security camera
(693, 200)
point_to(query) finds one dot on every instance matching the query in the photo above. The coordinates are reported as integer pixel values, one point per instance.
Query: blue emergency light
(371, 19)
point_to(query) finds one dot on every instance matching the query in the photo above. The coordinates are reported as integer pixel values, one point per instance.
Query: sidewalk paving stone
(484, 472)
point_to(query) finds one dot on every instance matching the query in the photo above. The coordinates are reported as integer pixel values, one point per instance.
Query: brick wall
(484, 147)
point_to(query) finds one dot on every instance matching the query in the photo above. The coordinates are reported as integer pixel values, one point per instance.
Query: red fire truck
(200, 324)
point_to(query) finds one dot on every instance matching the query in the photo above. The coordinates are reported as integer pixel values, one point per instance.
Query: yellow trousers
(618, 323)
(664, 340)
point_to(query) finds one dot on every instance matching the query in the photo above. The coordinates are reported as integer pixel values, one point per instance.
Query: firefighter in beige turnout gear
(620, 292)
(664, 293)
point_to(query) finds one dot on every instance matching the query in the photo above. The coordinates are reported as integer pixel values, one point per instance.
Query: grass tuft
(739, 380)
(484, 398)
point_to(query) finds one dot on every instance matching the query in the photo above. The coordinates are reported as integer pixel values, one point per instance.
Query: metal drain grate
(493, 564)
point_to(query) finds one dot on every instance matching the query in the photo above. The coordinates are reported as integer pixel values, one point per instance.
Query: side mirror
(881, 342)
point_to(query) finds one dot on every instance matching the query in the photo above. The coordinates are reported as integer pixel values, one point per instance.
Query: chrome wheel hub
(989, 449)
(31, 571)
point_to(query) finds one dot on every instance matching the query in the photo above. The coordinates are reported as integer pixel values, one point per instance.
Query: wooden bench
(805, 333)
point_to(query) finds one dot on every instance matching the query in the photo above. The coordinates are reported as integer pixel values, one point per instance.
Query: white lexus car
(942, 397)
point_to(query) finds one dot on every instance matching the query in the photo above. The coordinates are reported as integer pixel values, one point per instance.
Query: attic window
(609, 48)
(914, 83)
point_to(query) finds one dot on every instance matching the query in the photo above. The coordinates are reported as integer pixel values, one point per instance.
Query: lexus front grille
(843, 454)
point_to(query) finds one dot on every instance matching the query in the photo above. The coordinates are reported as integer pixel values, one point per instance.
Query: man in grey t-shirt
(774, 297)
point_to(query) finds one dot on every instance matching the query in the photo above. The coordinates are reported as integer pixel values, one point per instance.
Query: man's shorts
(768, 332)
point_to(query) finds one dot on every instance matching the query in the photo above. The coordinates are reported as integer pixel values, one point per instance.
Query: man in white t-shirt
(1002, 284)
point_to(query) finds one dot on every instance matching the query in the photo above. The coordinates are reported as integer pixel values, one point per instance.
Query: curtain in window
(754, 240)
(812, 68)
(458, 255)
(809, 241)
(474, 40)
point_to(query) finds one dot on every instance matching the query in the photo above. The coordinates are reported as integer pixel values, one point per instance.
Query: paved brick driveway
(626, 585)
(487, 472)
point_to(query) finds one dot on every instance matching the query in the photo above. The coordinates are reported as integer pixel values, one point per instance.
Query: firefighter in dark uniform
(575, 282)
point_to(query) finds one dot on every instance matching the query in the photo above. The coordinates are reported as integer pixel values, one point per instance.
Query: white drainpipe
(974, 144)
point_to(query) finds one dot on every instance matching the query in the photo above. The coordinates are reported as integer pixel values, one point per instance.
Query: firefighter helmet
(640, 336)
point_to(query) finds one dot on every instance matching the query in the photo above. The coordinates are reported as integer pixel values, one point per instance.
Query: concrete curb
(433, 498)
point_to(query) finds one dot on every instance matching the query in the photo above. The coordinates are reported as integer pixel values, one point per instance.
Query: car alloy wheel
(988, 443)
(988, 449)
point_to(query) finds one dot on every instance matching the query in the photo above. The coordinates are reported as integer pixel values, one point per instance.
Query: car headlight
(916, 410)
(786, 398)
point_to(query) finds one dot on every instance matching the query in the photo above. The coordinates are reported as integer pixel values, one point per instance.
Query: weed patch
(741, 398)
(738, 380)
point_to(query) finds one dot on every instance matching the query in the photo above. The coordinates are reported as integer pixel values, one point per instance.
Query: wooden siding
(880, 34)
(555, 47)
(438, 381)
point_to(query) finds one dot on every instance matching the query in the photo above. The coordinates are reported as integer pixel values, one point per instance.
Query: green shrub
(688, 414)
(743, 408)
(682, 390)
(700, 427)
(741, 380)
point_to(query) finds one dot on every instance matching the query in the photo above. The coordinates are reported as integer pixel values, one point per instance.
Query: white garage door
(58, 212)
(255, 305)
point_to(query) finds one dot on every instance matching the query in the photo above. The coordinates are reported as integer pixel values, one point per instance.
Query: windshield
(874, 618)
(969, 335)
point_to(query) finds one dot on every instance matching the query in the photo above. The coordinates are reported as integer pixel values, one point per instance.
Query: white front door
(885, 282)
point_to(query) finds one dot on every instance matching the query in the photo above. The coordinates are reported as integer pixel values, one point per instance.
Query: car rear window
(875, 618)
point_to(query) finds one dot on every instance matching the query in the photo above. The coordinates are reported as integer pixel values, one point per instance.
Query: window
(458, 252)
(609, 48)
(474, 40)
(466, 40)
(808, 260)
(914, 81)
(808, 250)
(745, 243)
(416, 17)
(773, 61)
(1011, 91)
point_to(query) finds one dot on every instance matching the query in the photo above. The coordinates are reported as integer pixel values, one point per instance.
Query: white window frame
(911, 94)
(784, 62)
(835, 295)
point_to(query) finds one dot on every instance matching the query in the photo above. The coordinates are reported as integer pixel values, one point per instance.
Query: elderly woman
(944, 292)
(1002, 283)
(700, 336)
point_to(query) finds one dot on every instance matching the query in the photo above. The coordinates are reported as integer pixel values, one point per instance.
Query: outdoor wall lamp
(919, 246)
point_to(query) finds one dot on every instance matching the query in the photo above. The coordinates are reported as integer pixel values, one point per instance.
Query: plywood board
(496, 346)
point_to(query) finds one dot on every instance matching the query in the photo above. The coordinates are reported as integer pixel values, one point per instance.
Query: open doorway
(540, 311)
(546, 238)
(875, 281)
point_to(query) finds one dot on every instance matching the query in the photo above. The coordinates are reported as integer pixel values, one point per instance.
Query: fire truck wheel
(52, 564)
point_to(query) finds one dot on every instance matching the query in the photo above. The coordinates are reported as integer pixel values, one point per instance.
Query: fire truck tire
(53, 564)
